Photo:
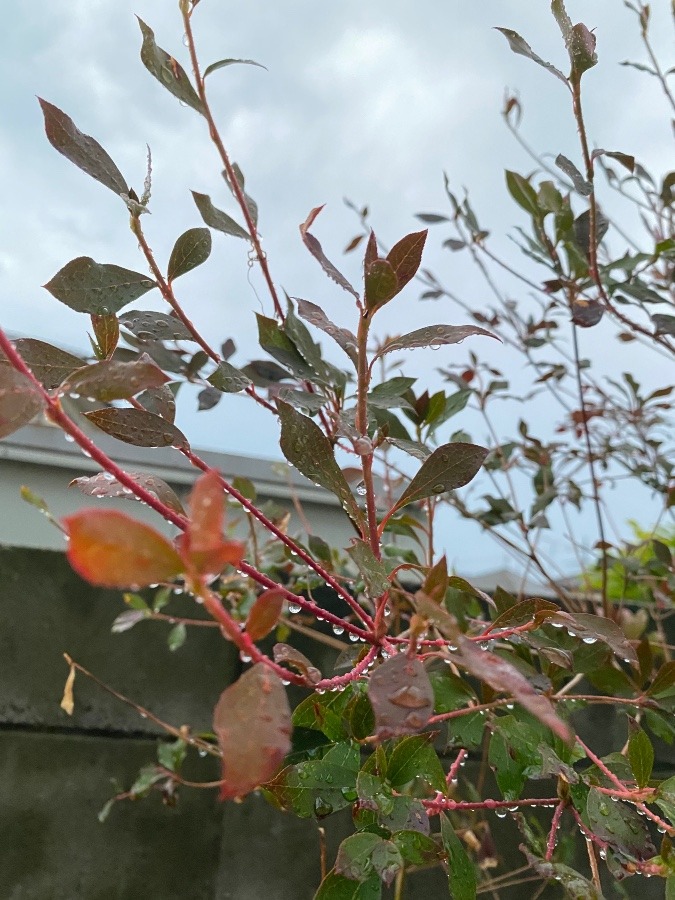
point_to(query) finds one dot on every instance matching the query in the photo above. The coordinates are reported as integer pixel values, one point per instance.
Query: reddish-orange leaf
(110, 549)
(264, 614)
(203, 546)
(252, 720)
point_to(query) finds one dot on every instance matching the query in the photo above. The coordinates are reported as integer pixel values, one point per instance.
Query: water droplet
(353, 638)
(439, 488)
(338, 630)
(571, 633)
(69, 438)
(244, 657)
(500, 813)
(361, 489)
(589, 640)
(294, 608)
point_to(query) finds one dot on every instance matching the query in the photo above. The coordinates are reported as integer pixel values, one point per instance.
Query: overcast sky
(371, 101)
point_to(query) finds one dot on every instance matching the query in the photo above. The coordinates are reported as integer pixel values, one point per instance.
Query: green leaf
(523, 193)
(449, 467)
(97, 288)
(82, 150)
(318, 787)
(337, 887)
(566, 165)
(665, 798)
(640, 756)
(450, 691)
(417, 849)
(222, 63)
(171, 754)
(520, 46)
(228, 379)
(325, 713)
(514, 754)
(138, 427)
(405, 257)
(20, 401)
(620, 825)
(663, 680)
(461, 871)
(49, 364)
(191, 249)
(664, 324)
(364, 853)
(371, 569)
(216, 218)
(575, 885)
(149, 325)
(111, 380)
(307, 448)
(670, 888)
(279, 345)
(105, 485)
(401, 696)
(414, 759)
(431, 336)
(381, 284)
(587, 626)
(313, 314)
(167, 70)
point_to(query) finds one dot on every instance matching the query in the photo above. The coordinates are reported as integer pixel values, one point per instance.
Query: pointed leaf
(461, 871)
(431, 336)
(574, 884)
(252, 721)
(112, 380)
(363, 853)
(405, 256)
(97, 288)
(20, 401)
(664, 324)
(107, 334)
(315, 249)
(520, 46)
(566, 165)
(202, 544)
(401, 696)
(149, 325)
(228, 379)
(222, 63)
(216, 218)
(82, 150)
(414, 758)
(110, 549)
(307, 448)
(640, 756)
(372, 570)
(49, 364)
(449, 467)
(106, 485)
(620, 825)
(503, 677)
(191, 249)
(336, 887)
(264, 614)
(167, 70)
(159, 401)
(313, 314)
(381, 284)
(284, 653)
(278, 344)
(587, 626)
(137, 427)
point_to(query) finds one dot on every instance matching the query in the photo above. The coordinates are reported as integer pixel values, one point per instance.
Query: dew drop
(590, 640)
(338, 630)
(361, 489)
(500, 813)
(294, 608)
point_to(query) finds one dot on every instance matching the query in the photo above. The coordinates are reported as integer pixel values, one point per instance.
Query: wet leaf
(126, 620)
(191, 249)
(520, 46)
(587, 627)
(316, 250)
(20, 401)
(414, 759)
(313, 314)
(401, 696)
(449, 467)
(228, 379)
(278, 344)
(405, 257)
(264, 614)
(148, 325)
(171, 754)
(111, 380)
(138, 427)
(620, 825)
(176, 637)
(216, 218)
(82, 150)
(503, 677)
(663, 680)
(159, 401)
(664, 324)
(202, 543)
(371, 569)
(97, 288)
(337, 887)
(252, 721)
(223, 63)
(167, 70)
(523, 193)
(461, 871)
(417, 849)
(325, 713)
(307, 448)
(107, 335)
(49, 364)
(110, 549)
(514, 754)
(575, 885)
(318, 787)
(436, 614)
(363, 853)
(566, 165)
(284, 653)
(106, 485)
(381, 283)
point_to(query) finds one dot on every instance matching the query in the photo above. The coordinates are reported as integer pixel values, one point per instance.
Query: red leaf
(110, 549)
(401, 696)
(264, 614)
(406, 256)
(316, 250)
(202, 545)
(252, 720)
